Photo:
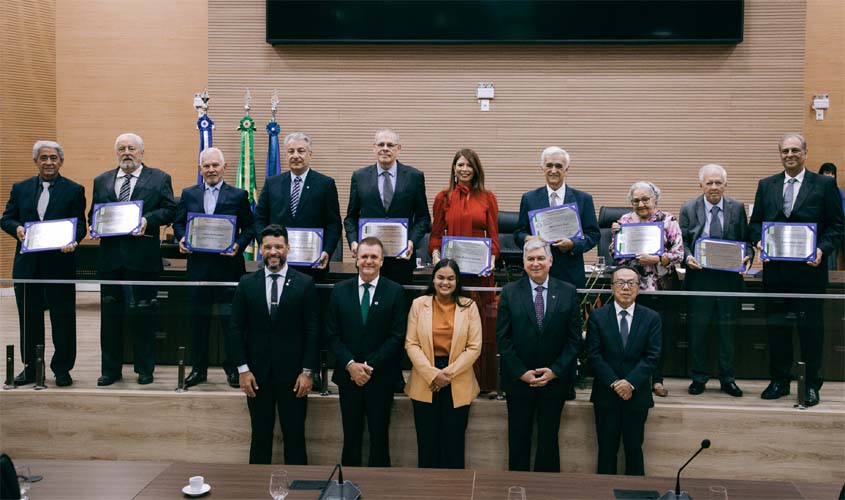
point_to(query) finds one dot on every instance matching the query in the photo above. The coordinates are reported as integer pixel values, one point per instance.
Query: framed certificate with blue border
(210, 233)
(393, 234)
(473, 255)
(45, 235)
(306, 246)
(117, 219)
(721, 255)
(789, 241)
(556, 223)
(637, 238)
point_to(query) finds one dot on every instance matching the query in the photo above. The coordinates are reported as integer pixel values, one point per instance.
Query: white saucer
(188, 491)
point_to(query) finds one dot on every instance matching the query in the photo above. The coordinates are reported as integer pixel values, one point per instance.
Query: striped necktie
(294, 195)
(125, 188)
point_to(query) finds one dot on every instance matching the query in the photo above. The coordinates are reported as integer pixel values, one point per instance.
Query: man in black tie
(216, 197)
(389, 189)
(623, 345)
(273, 342)
(538, 331)
(135, 257)
(797, 195)
(366, 327)
(47, 196)
(716, 216)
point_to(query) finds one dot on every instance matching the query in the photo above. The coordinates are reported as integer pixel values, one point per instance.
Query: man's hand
(233, 253)
(408, 253)
(360, 373)
(759, 247)
(564, 245)
(542, 376)
(614, 228)
(747, 262)
(693, 264)
(68, 248)
(248, 383)
(143, 227)
(440, 381)
(623, 389)
(528, 377)
(182, 247)
(303, 385)
(818, 260)
(21, 233)
(353, 247)
(323, 262)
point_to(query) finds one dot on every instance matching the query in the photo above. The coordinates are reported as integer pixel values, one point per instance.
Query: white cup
(196, 483)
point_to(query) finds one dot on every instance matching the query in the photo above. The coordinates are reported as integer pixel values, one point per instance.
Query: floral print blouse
(673, 249)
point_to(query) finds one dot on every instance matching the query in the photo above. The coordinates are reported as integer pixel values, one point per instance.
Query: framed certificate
(721, 255)
(210, 233)
(48, 235)
(306, 246)
(393, 234)
(556, 223)
(473, 255)
(791, 241)
(636, 238)
(117, 219)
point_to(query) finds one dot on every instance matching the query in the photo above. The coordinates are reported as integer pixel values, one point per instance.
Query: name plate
(210, 233)
(117, 219)
(638, 238)
(556, 223)
(306, 246)
(721, 255)
(473, 255)
(790, 241)
(42, 236)
(393, 234)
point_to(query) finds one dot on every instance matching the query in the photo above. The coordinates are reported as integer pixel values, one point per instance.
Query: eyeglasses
(794, 151)
(637, 201)
(388, 145)
(558, 166)
(625, 283)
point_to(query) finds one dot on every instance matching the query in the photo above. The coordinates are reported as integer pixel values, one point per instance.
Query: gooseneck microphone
(704, 444)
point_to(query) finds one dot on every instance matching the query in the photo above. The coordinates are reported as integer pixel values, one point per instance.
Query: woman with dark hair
(443, 341)
(465, 208)
(829, 169)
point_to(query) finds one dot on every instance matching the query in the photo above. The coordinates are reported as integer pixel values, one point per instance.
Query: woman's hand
(440, 381)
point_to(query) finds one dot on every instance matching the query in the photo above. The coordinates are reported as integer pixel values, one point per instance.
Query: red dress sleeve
(493, 221)
(438, 222)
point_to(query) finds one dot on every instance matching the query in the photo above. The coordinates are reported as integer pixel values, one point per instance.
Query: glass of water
(279, 484)
(600, 266)
(24, 481)
(516, 493)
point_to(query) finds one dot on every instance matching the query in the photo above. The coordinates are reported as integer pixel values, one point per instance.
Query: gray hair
(298, 136)
(388, 131)
(36, 148)
(655, 191)
(534, 244)
(135, 137)
(790, 135)
(553, 150)
(711, 168)
(208, 151)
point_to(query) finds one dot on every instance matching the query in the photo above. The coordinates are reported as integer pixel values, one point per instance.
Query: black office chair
(510, 254)
(607, 216)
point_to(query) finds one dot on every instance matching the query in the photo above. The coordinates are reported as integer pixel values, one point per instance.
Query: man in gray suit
(713, 215)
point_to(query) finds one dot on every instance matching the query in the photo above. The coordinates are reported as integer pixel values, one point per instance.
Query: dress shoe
(659, 390)
(696, 388)
(145, 378)
(812, 397)
(570, 394)
(25, 377)
(234, 380)
(63, 379)
(732, 389)
(775, 390)
(195, 378)
(107, 380)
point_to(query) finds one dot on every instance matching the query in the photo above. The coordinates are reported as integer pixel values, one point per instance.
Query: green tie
(365, 302)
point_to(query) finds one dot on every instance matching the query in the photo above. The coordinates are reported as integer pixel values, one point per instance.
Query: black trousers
(441, 428)
(654, 303)
(808, 316)
(613, 422)
(720, 313)
(132, 307)
(545, 404)
(32, 300)
(201, 301)
(373, 401)
(262, 414)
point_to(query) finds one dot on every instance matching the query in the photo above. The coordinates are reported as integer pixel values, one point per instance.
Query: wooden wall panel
(27, 95)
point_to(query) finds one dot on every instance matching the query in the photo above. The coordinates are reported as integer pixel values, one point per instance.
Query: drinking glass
(600, 266)
(279, 484)
(24, 481)
(718, 493)
(516, 493)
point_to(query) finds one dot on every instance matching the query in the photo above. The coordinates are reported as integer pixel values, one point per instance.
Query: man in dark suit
(713, 215)
(366, 328)
(302, 198)
(797, 195)
(213, 196)
(273, 341)
(623, 345)
(135, 257)
(538, 331)
(47, 196)
(568, 254)
(402, 197)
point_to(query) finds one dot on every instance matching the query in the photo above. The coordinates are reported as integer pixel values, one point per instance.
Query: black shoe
(812, 397)
(570, 394)
(775, 390)
(234, 380)
(107, 380)
(194, 378)
(696, 388)
(25, 377)
(732, 389)
(145, 378)
(63, 379)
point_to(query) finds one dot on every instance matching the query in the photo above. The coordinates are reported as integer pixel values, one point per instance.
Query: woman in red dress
(465, 208)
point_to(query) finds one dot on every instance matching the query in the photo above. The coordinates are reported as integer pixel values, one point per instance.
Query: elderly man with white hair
(716, 216)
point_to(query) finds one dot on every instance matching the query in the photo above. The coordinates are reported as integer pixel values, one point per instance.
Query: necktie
(43, 200)
(555, 200)
(210, 201)
(274, 293)
(715, 224)
(294, 195)
(365, 302)
(125, 188)
(387, 190)
(623, 327)
(539, 308)
(788, 195)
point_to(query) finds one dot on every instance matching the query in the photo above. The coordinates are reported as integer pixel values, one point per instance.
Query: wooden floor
(752, 438)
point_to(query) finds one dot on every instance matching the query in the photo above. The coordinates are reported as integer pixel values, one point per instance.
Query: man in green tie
(366, 328)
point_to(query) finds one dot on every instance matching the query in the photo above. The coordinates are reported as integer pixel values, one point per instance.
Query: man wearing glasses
(623, 346)
(389, 189)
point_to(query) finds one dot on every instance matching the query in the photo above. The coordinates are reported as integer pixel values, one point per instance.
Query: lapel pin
(287, 282)
(375, 303)
(553, 296)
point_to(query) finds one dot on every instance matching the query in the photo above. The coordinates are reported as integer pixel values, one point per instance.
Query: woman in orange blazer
(443, 341)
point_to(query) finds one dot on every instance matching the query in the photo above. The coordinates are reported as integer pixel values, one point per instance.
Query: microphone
(677, 493)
